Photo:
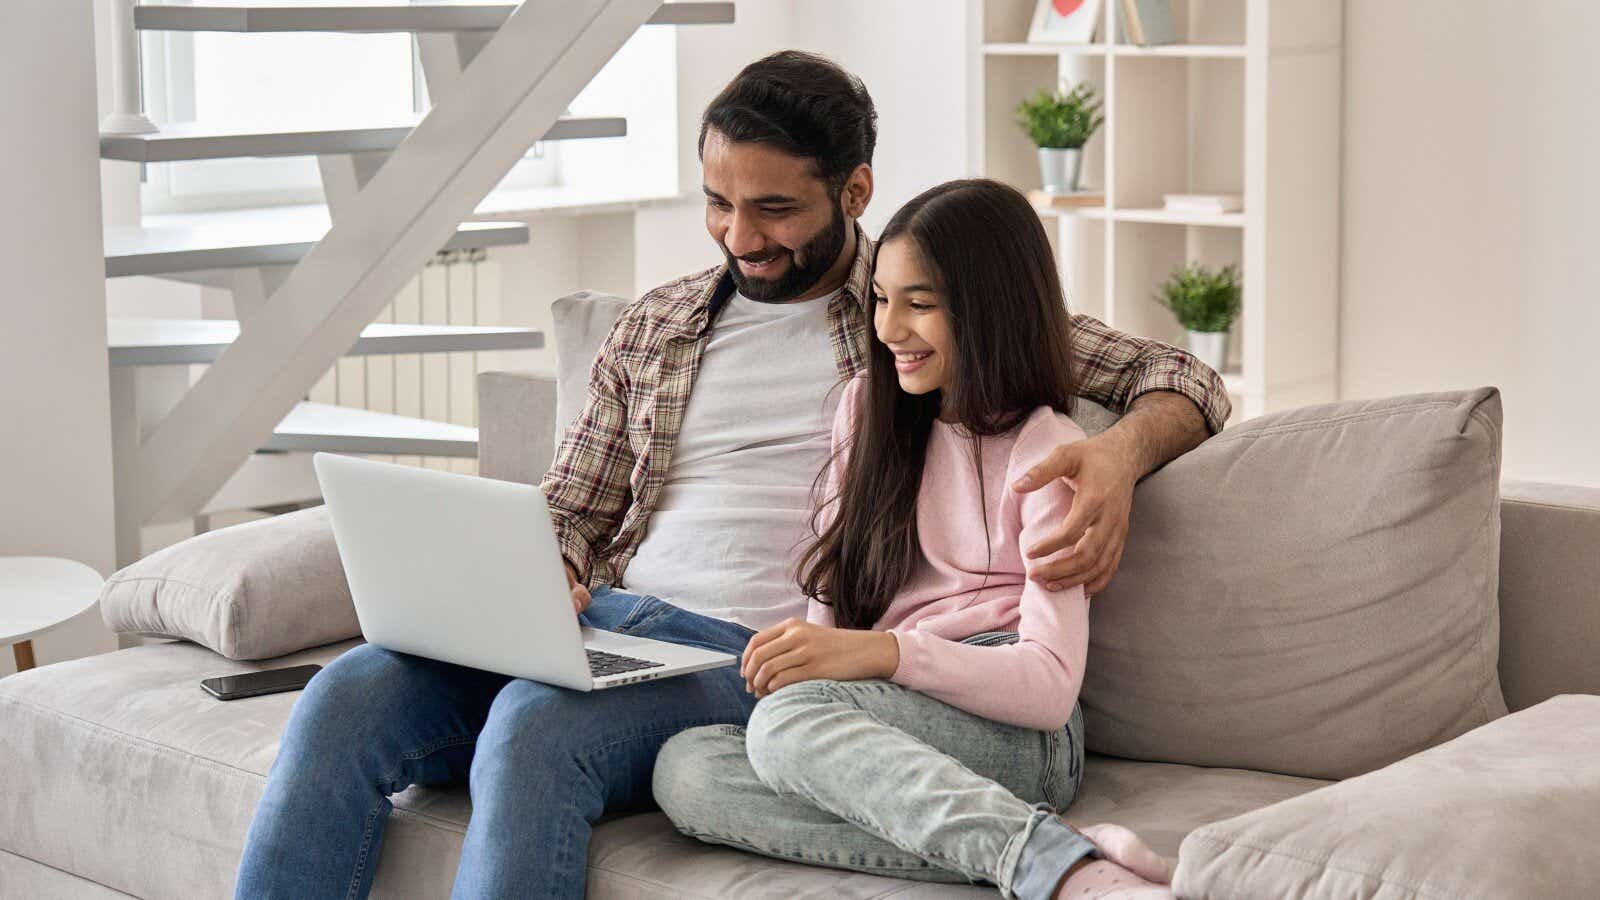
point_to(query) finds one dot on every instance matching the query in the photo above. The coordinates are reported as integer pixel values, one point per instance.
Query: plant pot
(1211, 347)
(1059, 168)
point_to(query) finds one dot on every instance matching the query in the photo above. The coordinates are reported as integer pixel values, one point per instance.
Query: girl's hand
(797, 650)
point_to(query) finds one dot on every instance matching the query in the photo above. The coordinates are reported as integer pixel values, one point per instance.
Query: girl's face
(912, 318)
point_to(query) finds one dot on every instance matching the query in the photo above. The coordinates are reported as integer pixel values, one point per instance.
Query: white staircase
(190, 141)
(308, 283)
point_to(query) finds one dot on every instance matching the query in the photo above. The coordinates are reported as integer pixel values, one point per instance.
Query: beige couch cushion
(114, 766)
(1312, 592)
(250, 591)
(1511, 809)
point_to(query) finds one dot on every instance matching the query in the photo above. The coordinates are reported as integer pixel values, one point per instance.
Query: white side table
(37, 593)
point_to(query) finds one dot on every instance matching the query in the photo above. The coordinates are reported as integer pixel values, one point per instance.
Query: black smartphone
(254, 684)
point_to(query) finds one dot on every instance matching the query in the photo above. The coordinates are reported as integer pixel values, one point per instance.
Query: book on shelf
(1148, 22)
(1203, 203)
(1074, 200)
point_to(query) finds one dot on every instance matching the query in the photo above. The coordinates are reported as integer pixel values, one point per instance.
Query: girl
(922, 721)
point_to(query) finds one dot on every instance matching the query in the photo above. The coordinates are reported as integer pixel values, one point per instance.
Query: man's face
(775, 219)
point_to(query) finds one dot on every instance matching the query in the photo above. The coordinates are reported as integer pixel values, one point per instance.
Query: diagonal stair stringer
(510, 95)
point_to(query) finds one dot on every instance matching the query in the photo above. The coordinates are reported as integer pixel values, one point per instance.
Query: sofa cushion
(113, 766)
(1511, 809)
(1312, 592)
(581, 323)
(250, 591)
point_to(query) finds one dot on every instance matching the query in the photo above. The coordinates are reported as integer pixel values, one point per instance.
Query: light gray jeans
(875, 777)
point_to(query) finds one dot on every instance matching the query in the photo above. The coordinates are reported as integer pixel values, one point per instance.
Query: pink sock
(1124, 848)
(1103, 879)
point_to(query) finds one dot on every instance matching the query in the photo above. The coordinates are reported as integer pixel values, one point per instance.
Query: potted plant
(1060, 123)
(1206, 303)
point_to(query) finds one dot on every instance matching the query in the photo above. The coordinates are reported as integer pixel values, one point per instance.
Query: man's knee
(355, 683)
(534, 727)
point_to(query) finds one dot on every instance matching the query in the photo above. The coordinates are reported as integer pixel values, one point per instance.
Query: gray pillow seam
(1313, 859)
(1294, 428)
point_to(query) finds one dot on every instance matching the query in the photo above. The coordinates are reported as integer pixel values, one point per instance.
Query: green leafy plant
(1201, 299)
(1061, 120)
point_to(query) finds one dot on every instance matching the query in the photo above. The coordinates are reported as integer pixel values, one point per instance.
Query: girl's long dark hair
(985, 247)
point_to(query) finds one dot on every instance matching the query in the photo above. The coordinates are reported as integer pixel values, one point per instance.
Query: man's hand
(796, 650)
(580, 594)
(1102, 472)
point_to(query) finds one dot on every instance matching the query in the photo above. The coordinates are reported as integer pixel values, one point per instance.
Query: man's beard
(807, 265)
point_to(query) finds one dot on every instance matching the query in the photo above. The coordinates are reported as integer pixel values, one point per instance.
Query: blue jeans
(543, 763)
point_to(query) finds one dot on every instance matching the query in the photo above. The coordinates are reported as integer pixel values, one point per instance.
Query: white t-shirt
(736, 507)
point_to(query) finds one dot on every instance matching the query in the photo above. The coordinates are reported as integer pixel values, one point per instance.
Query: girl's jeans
(875, 777)
(544, 762)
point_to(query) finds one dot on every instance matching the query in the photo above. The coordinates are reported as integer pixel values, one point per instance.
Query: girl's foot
(1102, 879)
(1129, 871)
(1124, 848)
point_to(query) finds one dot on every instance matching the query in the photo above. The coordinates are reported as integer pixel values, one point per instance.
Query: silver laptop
(467, 570)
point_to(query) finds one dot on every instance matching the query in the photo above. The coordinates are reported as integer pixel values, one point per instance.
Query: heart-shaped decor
(1065, 8)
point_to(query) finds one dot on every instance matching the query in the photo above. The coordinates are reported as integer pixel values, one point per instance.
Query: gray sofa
(119, 777)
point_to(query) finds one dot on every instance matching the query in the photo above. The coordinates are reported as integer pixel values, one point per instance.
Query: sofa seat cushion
(120, 770)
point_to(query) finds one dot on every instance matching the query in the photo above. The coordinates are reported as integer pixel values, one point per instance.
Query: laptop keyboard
(602, 663)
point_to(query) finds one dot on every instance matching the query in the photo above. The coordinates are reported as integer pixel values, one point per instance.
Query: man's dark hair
(802, 104)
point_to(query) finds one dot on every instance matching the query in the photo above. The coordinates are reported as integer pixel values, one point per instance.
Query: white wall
(1471, 225)
(55, 463)
(912, 56)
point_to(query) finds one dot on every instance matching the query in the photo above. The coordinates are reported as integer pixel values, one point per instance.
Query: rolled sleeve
(1114, 369)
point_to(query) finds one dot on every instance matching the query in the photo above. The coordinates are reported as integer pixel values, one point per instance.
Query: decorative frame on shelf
(1064, 21)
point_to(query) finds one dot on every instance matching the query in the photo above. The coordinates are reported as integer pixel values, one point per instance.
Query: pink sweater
(1034, 682)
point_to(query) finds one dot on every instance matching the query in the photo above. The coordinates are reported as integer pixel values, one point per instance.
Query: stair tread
(261, 237)
(178, 141)
(148, 341)
(377, 16)
(342, 429)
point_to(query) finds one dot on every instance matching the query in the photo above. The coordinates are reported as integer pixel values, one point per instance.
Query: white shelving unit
(1247, 103)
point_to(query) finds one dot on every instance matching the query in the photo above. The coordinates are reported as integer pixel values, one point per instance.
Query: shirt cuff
(575, 551)
(913, 659)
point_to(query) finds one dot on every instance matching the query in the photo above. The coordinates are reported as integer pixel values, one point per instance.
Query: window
(311, 80)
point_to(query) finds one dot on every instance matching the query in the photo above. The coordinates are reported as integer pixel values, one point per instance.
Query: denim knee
(776, 738)
(336, 698)
(687, 781)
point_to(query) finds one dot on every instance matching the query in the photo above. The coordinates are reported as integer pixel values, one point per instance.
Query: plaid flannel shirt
(613, 460)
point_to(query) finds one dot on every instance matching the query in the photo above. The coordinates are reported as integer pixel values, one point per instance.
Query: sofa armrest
(1549, 602)
(516, 425)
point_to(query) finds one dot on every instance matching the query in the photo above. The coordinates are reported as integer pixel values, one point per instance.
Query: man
(688, 475)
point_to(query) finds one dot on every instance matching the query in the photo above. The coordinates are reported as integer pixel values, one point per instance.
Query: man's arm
(1115, 369)
(588, 486)
(1169, 402)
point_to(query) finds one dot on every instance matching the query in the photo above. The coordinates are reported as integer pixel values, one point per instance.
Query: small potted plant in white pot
(1060, 123)
(1206, 303)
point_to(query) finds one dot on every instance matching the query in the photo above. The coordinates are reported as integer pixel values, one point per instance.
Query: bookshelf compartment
(1179, 129)
(1009, 154)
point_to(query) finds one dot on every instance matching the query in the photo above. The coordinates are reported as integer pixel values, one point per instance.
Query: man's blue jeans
(544, 762)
